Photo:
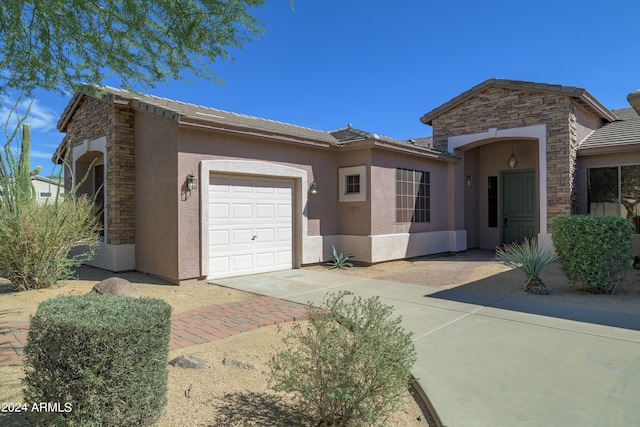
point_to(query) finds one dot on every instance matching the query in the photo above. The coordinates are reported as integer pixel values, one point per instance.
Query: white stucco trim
(342, 183)
(254, 168)
(538, 132)
(387, 247)
(114, 257)
(107, 256)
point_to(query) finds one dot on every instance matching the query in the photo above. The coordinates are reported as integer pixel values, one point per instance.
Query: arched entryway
(503, 201)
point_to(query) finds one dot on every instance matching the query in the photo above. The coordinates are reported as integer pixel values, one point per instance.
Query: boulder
(115, 286)
(189, 362)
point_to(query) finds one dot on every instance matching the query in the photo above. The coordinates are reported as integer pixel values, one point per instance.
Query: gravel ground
(219, 395)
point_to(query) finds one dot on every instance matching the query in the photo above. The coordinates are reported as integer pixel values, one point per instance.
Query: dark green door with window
(518, 206)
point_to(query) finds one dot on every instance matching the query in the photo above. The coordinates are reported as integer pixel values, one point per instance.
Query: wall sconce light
(513, 161)
(313, 189)
(192, 182)
(468, 180)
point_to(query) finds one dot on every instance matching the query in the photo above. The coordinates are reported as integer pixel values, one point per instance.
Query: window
(615, 191)
(412, 196)
(353, 184)
(44, 194)
(492, 199)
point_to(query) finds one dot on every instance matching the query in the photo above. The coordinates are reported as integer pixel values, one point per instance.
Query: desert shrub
(102, 357)
(594, 250)
(35, 240)
(529, 258)
(349, 366)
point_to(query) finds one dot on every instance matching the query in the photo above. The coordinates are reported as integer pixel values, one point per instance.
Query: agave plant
(529, 258)
(339, 260)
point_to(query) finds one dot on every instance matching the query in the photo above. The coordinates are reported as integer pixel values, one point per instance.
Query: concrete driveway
(492, 360)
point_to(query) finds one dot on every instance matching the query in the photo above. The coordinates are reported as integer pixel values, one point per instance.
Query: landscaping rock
(115, 286)
(230, 361)
(189, 362)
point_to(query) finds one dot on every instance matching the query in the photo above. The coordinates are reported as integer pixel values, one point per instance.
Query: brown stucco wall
(383, 196)
(505, 108)
(355, 217)
(195, 146)
(157, 195)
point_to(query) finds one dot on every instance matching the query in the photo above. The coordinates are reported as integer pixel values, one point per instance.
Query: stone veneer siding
(93, 119)
(507, 108)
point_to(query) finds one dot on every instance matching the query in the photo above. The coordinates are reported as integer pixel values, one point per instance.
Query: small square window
(353, 184)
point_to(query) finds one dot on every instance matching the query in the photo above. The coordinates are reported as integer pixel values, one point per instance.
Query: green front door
(518, 206)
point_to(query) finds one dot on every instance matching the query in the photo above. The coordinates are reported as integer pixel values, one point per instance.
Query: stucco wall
(355, 217)
(158, 191)
(586, 123)
(195, 146)
(383, 196)
(503, 109)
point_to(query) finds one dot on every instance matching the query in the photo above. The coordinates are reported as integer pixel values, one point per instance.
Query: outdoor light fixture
(513, 162)
(313, 190)
(468, 180)
(192, 182)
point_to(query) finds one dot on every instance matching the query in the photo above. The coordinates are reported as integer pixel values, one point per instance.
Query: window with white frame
(353, 184)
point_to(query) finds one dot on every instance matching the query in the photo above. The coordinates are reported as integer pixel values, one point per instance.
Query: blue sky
(380, 65)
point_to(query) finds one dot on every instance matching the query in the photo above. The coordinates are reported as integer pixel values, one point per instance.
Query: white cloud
(40, 117)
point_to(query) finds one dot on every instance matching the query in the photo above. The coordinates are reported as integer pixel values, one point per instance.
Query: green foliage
(527, 257)
(104, 356)
(594, 250)
(339, 260)
(36, 239)
(349, 366)
(59, 45)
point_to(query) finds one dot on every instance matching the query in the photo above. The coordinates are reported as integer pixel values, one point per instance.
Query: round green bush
(594, 250)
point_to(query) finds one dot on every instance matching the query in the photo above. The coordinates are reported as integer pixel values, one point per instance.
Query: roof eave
(248, 131)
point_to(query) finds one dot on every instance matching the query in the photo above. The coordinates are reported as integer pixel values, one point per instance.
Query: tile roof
(581, 94)
(202, 116)
(350, 134)
(187, 113)
(622, 134)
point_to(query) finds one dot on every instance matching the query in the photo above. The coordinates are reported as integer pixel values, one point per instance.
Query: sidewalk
(488, 360)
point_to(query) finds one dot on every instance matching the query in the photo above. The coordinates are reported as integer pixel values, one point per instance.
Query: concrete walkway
(488, 360)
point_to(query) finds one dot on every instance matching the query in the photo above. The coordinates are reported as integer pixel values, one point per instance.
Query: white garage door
(250, 225)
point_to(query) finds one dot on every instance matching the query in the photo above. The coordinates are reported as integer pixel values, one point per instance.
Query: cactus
(23, 173)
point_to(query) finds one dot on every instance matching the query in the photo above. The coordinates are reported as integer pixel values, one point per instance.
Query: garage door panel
(219, 264)
(284, 211)
(241, 236)
(219, 238)
(265, 235)
(264, 210)
(242, 262)
(244, 207)
(219, 211)
(284, 234)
